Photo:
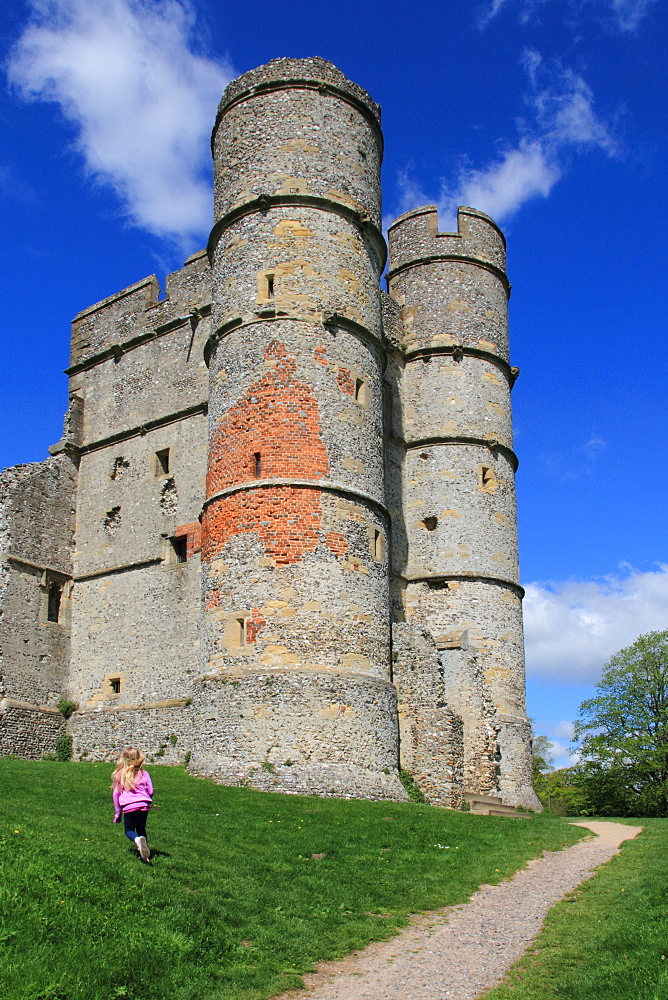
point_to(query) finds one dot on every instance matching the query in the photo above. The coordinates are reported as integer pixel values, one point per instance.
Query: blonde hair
(127, 770)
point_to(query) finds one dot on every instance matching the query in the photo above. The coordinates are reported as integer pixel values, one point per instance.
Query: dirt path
(461, 951)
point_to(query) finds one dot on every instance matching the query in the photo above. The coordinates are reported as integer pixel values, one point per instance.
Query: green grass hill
(245, 891)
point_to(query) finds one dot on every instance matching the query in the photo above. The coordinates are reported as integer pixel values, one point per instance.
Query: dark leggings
(135, 823)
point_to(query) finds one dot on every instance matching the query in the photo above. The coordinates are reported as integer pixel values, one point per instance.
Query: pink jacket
(130, 801)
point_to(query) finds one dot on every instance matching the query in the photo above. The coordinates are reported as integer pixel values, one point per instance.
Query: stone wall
(27, 730)
(431, 734)
(141, 379)
(299, 732)
(163, 730)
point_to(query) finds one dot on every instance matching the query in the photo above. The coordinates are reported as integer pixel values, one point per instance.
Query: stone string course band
(295, 557)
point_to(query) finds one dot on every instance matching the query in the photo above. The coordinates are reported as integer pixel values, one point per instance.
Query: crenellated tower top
(414, 239)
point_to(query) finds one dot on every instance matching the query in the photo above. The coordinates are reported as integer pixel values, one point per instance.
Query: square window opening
(179, 546)
(115, 685)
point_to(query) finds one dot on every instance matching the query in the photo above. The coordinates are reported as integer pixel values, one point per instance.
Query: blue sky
(548, 114)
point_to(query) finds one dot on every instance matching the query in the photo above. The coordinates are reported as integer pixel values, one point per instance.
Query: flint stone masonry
(278, 536)
(29, 731)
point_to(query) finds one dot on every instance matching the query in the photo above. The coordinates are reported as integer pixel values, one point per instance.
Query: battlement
(132, 311)
(278, 73)
(414, 238)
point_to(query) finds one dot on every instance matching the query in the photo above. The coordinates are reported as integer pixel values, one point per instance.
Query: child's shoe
(142, 847)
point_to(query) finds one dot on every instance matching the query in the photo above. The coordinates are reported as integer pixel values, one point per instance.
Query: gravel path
(461, 951)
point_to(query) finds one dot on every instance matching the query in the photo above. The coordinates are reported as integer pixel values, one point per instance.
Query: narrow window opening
(430, 523)
(180, 548)
(487, 478)
(270, 286)
(115, 685)
(53, 604)
(360, 390)
(378, 546)
(240, 631)
(162, 462)
(258, 464)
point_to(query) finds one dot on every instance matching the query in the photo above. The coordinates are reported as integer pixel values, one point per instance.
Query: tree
(623, 732)
(541, 757)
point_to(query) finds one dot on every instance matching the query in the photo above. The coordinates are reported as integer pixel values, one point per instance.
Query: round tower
(295, 691)
(459, 561)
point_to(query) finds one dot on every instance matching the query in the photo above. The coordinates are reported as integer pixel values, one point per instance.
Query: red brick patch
(286, 519)
(253, 625)
(277, 419)
(346, 381)
(336, 543)
(272, 432)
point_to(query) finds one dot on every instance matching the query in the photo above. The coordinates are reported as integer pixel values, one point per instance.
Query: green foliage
(623, 733)
(412, 788)
(234, 905)
(558, 790)
(562, 792)
(64, 747)
(173, 739)
(67, 708)
(607, 940)
(541, 757)
(186, 757)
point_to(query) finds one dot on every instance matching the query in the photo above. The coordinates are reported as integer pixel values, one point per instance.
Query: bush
(411, 786)
(64, 747)
(67, 708)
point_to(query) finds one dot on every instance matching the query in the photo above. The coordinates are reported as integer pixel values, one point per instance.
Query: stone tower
(456, 541)
(296, 620)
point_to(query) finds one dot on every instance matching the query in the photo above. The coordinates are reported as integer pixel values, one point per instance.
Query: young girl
(132, 795)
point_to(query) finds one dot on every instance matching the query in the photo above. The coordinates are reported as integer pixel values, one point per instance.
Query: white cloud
(525, 10)
(125, 73)
(564, 120)
(626, 14)
(629, 13)
(500, 189)
(572, 628)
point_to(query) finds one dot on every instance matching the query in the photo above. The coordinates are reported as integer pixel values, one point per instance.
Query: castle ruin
(278, 537)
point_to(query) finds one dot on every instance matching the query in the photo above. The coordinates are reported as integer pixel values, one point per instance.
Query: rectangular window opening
(258, 464)
(162, 462)
(54, 598)
(240, 631)
(270, 286)
(487, 476)
(115, 685)
(378, 547)
(180, 548)
(360, 390)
